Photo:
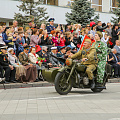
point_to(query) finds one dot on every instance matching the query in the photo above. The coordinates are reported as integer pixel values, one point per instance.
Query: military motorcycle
(72, 75)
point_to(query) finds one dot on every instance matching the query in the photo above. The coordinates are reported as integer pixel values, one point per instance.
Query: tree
(32, 13)
(81, 12)
(116, 11)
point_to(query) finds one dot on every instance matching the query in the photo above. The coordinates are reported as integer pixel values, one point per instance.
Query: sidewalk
(42, 84)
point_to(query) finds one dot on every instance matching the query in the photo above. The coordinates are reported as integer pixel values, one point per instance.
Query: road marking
(115, 119)
(59, 97)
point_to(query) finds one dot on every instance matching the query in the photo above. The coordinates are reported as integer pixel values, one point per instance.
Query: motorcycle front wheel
(61, 86)
(95, 90)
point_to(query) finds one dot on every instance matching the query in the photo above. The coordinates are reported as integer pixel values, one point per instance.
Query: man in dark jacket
(99, 27)
(113, 60)
(9, 69)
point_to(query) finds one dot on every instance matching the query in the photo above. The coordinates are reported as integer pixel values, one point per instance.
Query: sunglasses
(88, 26)
(26, 49)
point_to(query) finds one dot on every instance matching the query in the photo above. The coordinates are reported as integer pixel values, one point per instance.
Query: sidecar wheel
(61, 86)
(95, 90)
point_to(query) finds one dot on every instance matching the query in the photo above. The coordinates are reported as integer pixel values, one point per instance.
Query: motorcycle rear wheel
(61, 86)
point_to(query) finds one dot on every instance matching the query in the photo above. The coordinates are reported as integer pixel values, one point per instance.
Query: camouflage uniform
(101, 50)
(91, 63)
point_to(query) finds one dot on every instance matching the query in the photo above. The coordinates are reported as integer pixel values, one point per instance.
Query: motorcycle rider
(89, 59)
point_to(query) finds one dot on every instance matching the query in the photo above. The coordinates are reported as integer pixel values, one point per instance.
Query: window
(51, 2)
(113, 4)
(97, 4)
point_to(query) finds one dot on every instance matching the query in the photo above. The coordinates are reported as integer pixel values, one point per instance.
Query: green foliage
(81, 12)
(32, 13)
(116, 11)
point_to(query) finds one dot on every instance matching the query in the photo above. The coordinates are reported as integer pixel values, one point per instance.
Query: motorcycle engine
(85, 81)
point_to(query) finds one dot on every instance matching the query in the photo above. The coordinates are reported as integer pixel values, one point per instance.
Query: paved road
(43, 103)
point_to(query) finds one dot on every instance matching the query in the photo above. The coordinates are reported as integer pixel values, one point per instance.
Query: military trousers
(90, 69)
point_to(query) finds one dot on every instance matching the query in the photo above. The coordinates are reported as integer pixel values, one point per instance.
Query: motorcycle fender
(63, 69)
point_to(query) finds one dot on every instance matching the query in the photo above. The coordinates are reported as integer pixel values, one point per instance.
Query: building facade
(57, 9)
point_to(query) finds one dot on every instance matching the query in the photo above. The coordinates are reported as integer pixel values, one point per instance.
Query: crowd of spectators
(25, 51)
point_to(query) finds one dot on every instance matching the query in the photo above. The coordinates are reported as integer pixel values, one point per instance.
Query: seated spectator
(68, 52)
(4, 62)
(30, 68)
(35, 39)
(44, 54)
(117, 47)
(1, 36)
(20, 69)
(49, 40)
(26, 38)
(53, 60)
(33, 57)
(61, 54)
(113, 60)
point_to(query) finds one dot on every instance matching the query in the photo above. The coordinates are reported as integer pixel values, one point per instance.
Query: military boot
(92, 83)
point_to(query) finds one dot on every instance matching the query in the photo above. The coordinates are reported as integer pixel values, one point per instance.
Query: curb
(22, 85)
(42, 84)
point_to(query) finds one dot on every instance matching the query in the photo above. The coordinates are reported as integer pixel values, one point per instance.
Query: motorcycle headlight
(68, 62)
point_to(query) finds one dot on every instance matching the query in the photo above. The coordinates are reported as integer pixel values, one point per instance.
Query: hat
(27, 47)
(3, 46)
(51, 19)
(10, 49)
(50, 35)
(62, 47)
(87, 40)
(53, 48)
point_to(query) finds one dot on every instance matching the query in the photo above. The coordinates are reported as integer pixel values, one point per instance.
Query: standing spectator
(108, 29)
(93, 30)
(62, 40)
(1, 36)
(35, 39)
(26, 38)
(51, 26)
(69, 38)
(20, 43)
(105, 38)
(115, 34)
(4, 62)
(44, 38)
(15, 24)
(88, 27)
(76, 39)
(117, 47)
(54, 38)
(42, 26)
(99, 26)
